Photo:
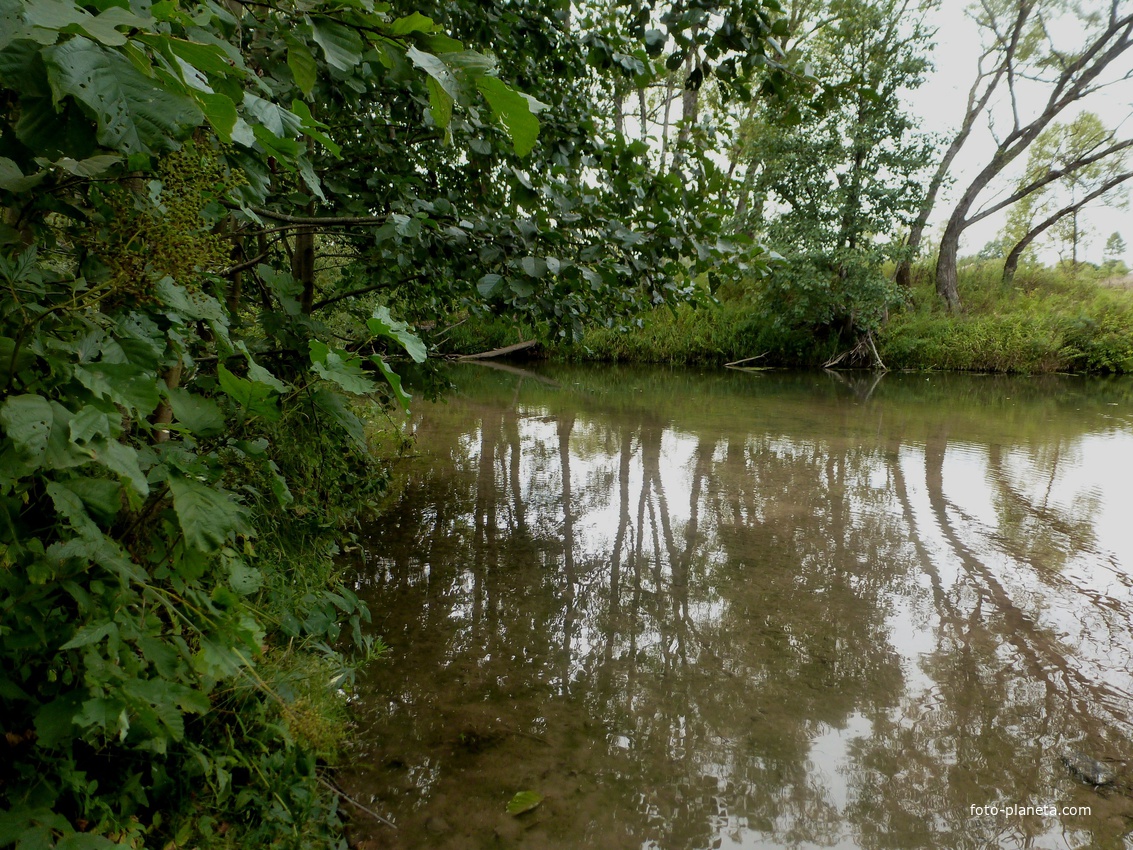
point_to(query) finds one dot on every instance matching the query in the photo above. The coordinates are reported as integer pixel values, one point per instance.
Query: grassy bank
(1046, 321)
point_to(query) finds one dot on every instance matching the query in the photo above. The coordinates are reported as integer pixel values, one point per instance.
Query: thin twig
(356, 804)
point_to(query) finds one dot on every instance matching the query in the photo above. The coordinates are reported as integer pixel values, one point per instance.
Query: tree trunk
(946, 274)
(303, 266)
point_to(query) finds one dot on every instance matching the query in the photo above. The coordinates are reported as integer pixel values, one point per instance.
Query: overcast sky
(940, 103)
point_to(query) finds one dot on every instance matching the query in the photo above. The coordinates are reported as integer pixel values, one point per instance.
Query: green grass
(1046, 321)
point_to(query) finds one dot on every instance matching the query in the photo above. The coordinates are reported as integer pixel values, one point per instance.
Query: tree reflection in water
(743, 610)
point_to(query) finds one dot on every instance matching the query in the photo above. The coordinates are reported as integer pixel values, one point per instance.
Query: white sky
(940, 103)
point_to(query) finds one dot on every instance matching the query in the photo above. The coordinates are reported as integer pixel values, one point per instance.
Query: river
(724, 609)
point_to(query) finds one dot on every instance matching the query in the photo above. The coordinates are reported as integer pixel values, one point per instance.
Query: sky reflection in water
(765, 609)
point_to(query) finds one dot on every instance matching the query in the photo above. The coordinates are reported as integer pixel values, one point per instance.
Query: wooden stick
(745, 360)
(500, 352)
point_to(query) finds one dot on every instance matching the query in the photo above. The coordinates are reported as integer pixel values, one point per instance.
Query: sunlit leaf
(524, 801)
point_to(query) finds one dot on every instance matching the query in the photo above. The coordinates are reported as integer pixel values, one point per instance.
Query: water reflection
(703, 610)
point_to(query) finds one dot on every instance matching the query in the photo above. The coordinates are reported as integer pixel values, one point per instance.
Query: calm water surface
(754, 609)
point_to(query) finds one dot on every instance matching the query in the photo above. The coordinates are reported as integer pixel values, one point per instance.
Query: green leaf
(258, 373)
(394, 381)
(13, 180)
(280, 122)
(195, 306)
(383, 325)
(204, 57)
(254, 396)
(55, 721)
(123, 461)
(341, 45)
(89, 167)
(85, 841)
(134, 113)
(524, 801)
(488, 284)
(207, 516)
(286, 288)
(88, 424)
(27, 423)
(122, 383)
(220, 112)
(411, 23)
(200, 415)
(302, 65)
(279, 487)
(341, 368)
(515, 110)
(437, 70)
(313, 129)
(334, 405)
(100, 495)
(90, 633)
(243, 579)
(69, 506)
(440, 103)
(534, 266)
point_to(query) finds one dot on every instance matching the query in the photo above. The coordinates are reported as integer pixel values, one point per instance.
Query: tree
(1115, 247)
(1020, 36)
(826, 182)
(1055, 206)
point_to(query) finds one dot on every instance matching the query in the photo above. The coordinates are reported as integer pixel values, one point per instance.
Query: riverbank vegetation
(232, 231)
(1045, 321)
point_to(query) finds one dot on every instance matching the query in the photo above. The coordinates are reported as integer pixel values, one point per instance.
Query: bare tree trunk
(164, 413)
(645, 118)
(977, 102)
(669, 84)
(947, 280)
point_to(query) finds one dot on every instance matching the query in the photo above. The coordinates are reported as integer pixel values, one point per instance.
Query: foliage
(1050, 321)
(585, 227)
(842, 170)
(181, 455)
(177, 458)
(829, 183)
(843, 296)
(1062, 148)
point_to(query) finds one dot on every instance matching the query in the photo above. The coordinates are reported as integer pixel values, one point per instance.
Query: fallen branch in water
(500, 352)
(745, 360)
(339, 792)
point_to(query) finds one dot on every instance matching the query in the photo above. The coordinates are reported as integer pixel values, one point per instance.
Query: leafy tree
(1021, 54)
(177, 359)
(1071, 151)
(828, 182)
(1115, 246)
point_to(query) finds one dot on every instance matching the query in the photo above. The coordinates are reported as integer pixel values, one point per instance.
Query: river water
(753, 609)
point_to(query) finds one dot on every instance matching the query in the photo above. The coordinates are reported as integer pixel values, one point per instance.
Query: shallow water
(753, 609)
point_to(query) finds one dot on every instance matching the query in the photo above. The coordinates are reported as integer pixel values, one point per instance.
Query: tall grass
(1047, 320)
